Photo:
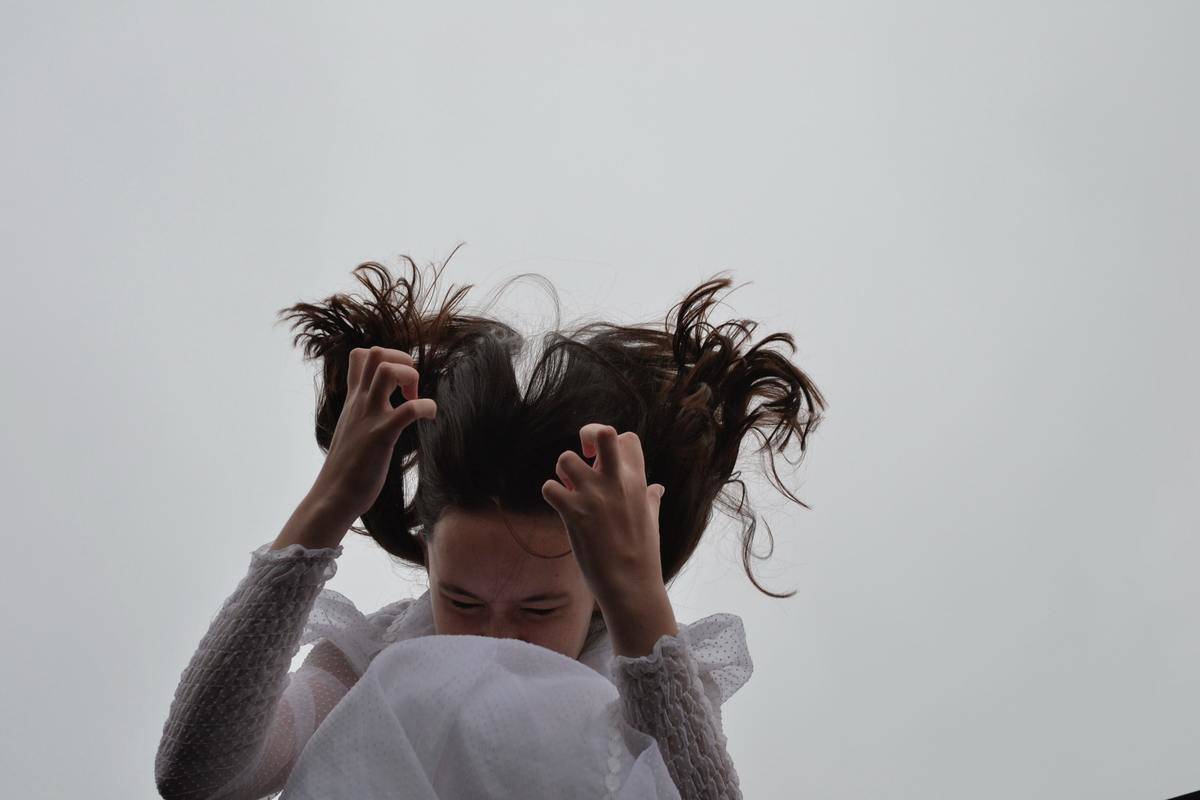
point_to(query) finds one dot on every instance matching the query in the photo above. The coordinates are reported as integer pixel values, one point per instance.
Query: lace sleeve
(675, 694)
(312, 692)
(238, 718)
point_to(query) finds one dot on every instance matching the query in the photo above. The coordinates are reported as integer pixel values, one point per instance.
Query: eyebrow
(450, 587)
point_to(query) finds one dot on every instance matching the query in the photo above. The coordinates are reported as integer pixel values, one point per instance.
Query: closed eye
(541, 612)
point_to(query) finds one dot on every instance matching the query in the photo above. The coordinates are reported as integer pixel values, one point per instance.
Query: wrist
(638, 620)
(317, 522)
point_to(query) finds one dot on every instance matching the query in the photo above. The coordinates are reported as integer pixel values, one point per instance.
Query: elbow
(175, 787)
(170, 787)
(174, 781)
(168, 775)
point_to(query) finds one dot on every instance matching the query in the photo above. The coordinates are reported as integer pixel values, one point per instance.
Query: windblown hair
(690, 390)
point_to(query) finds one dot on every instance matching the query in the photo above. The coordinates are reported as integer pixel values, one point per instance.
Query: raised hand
(610, 514)
(360, 453)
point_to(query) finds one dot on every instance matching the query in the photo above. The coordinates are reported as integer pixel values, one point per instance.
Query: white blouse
(239, 720)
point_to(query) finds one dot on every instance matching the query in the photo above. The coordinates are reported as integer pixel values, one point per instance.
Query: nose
(500, 628)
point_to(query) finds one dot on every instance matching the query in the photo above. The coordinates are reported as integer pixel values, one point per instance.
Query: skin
(476, 552)
(607, 539)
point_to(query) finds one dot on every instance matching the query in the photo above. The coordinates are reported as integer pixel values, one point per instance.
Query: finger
(358, 357)
(572, 470)
(558, 496)
(631, 452)
(387, 376)
(610, 449)
(587, 437)
(375, 356)
(654, 499)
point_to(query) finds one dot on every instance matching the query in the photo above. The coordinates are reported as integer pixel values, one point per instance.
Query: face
(483, 583)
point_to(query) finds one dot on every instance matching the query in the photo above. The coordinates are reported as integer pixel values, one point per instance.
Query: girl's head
(513, 576)
(463, 496)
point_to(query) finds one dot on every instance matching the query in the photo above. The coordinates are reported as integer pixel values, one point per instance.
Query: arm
(238, 719)
(662, 694)
(312, 691)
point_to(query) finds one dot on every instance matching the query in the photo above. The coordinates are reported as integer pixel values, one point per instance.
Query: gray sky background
(977, 220)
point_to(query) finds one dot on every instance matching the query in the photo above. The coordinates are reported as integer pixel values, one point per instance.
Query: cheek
(449, 620)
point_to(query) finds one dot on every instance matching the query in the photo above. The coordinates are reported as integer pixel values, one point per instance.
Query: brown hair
(685, 388)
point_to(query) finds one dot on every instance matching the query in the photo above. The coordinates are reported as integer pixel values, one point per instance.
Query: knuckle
(394, 367)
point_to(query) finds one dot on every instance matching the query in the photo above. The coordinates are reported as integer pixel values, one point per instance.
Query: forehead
(479, 551)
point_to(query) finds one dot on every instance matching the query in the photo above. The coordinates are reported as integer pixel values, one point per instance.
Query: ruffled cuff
(717, 645)
(296, 550)
(320, 563)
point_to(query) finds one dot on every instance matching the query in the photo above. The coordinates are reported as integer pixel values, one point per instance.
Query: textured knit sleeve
(238, 718)
(675, 694)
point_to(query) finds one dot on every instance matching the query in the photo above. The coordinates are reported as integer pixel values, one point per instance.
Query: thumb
(657, 490)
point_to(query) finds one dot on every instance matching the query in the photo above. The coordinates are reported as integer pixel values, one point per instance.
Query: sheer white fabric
(239, 722)
(451, 717)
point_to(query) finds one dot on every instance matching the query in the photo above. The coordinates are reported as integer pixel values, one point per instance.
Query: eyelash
(541, 612)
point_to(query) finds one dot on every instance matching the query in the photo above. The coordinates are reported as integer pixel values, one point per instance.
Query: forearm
(662, 695)
(319, 521)
(230, 689)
